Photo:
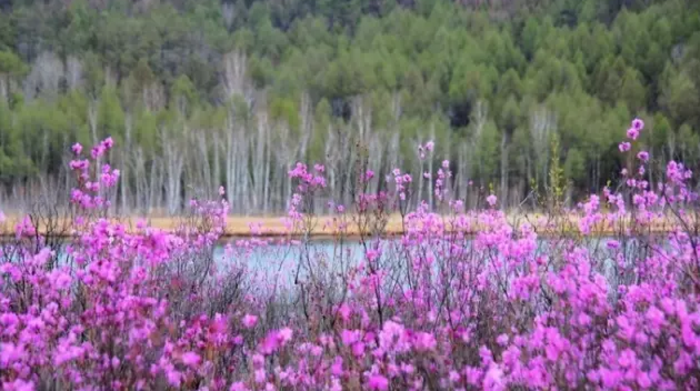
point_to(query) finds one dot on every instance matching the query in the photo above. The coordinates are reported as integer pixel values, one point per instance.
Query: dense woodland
(202, 93)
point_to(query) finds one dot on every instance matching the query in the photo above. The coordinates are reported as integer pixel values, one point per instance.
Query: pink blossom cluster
(461, 301)
(91, 194)
(402, 182)
(442, 181)
(424, 150)
(308, 180)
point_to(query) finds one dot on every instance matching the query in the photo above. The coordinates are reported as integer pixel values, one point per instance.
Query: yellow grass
(239, 226)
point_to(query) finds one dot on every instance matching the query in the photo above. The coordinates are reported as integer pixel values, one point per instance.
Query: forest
(198, 94)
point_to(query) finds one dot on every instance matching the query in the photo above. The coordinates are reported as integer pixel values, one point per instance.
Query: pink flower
(494, 379)
(249, 321)
(191, 359)
(222, 191)
(643, 156)
(97, 151)
(358, 349)
(18, 385)
(446, 164)
(429, 146)
(638, 124)
(77, 148)
(502, 339)
(337, 367)
(491, 200)
(108, 143)
(624, 146)
(238, 386)
(424, 342)
(173, 377)
(285, 335)
(349, 337)
(632, 133)
(378, 383)
(10, 353)
(345, 311)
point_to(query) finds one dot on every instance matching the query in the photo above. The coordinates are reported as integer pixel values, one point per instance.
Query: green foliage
(591, 65)
(557, 179)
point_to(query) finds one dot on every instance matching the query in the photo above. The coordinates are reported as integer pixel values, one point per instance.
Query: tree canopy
(495, 80)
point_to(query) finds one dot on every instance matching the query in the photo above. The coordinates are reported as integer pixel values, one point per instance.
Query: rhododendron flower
(491, 200)
(378, 383)
(76, 148)
(117, 308)
(430, 145)
(108, 143)
(643, 156)
(345, 311)
(238, 386)
(249, 321)
(97, 151)
(191, 359)
(638, 124)
(285, 335)
(18, 385)
(632, 133)
(174, 377)
(624, 146)
(349, 337)
(424, 342)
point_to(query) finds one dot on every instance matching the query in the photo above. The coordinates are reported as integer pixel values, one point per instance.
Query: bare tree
(124, 174)
(542, 124)
(45, 76)
(73, 73)
(173, 156)
(228, 12)
(479, 118)
(259, 146)
(234, 78)
(137, 164)
(154, 96)
(504, 168)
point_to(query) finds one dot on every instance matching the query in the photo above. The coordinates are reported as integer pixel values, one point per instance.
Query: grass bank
(327, 226)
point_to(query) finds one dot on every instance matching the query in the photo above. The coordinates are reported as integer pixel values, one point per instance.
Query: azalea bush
(461, 300)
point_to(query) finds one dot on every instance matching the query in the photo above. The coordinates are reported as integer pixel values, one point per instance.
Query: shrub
(460, 301)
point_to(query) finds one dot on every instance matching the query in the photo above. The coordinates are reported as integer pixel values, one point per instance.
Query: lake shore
(326, 227)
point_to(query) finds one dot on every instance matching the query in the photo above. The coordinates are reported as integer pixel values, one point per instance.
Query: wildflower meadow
(460, 300)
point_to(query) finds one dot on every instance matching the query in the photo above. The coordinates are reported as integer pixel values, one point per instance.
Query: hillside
(199, 94)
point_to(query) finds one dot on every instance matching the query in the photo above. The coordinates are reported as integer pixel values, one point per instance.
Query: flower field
(454, 300)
